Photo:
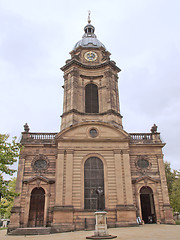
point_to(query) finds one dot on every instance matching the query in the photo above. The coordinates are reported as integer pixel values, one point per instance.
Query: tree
(9, 152)
(175, 196)
(173, 183)
(170, 176)
(6, 205)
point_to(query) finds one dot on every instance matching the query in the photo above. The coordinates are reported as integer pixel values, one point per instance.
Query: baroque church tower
(59, 173)
(90, 83)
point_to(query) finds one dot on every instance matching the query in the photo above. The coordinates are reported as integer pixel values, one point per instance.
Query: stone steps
(31, 231)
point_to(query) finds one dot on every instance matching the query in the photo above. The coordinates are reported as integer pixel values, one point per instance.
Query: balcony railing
(43, 136)
(38, 137)
(141, 137)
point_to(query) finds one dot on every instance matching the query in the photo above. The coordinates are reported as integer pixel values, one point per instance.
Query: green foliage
(9, 153)
(175, 196)
(170, 176)
(6, 205)
(173, 183)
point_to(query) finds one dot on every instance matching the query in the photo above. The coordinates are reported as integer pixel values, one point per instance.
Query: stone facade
(134, 179)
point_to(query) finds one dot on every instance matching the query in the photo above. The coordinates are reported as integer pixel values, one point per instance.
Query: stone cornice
(77, 63)
(145, 178)
(147, 144)
(72, 140)
(111, 111)
(41, 178)
(91, 77)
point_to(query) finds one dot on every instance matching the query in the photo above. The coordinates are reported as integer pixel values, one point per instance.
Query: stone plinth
(101, 224)
(101, 231)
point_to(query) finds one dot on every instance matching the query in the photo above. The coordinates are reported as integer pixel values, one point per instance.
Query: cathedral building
(59, 173)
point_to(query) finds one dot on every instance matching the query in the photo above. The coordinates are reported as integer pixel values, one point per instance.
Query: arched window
(93, 178)
(91, 98)
(36, 211)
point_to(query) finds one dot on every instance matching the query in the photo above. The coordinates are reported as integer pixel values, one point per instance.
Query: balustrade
(141, 137)
(38, 137)
(43, 136)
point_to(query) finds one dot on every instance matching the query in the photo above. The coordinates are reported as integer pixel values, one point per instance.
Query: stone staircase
(31, 231)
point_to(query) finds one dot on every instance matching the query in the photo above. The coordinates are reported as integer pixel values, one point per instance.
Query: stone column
(138, 201)
(46, 205)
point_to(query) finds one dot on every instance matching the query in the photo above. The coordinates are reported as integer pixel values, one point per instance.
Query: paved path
(145, 232)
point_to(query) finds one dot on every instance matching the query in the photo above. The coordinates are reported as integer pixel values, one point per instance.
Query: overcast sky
(143, 37)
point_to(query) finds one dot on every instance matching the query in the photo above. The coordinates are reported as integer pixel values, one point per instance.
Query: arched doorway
(36, 211)
(147, 205)
(93, 178)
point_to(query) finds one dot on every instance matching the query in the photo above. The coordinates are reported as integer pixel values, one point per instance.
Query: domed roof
(89, 39)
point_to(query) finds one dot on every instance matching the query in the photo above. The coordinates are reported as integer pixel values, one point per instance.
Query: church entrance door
(147, 205)
(36, 211)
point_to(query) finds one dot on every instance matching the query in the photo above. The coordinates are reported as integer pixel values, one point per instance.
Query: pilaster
(127, 178)
(59, 178)
(19, 180)
(119, 178)
(126, 211)
(163, 179)
(15, 219)
(69, 173)
(168, 214)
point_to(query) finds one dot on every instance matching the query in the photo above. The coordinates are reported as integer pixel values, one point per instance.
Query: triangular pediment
(104, 131)
(145, 179)
(41, 178)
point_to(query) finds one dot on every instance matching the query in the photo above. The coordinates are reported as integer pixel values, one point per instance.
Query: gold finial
(89, 13)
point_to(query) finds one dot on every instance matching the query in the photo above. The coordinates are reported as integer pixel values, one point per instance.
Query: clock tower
(90, 83)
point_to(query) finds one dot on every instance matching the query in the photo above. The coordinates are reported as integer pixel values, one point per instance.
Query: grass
(177, 222)
(1, 228)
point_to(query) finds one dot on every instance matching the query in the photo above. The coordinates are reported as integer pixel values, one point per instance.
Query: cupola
(89, 39)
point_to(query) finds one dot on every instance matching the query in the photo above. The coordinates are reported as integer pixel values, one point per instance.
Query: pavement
(145, 232)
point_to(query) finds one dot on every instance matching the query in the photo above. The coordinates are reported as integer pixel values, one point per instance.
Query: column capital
(117, 151)
(125, 151)
(70, 151)
(61, 151)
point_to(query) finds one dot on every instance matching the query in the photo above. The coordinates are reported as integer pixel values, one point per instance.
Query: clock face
(90, 56)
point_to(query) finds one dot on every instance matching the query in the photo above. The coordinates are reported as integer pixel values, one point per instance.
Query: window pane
(91, 99)
(87, 173)
(87, 203)
(93, 178)
(93, 204)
